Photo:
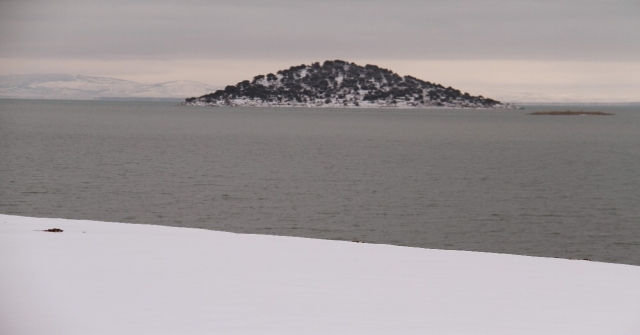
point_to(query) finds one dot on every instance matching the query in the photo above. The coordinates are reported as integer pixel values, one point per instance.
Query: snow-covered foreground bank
(115, 278)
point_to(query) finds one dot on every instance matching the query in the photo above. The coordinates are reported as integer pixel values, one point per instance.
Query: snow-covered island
(85, 277)
(339, 84)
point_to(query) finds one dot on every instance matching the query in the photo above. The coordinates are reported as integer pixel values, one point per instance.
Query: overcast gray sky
(571, 49)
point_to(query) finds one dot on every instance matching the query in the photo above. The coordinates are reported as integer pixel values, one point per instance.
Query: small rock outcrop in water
(341, 84)
(570, 113)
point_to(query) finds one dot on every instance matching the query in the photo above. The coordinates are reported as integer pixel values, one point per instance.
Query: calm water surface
(495, 181)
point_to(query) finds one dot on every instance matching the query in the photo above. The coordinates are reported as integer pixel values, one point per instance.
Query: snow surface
(116, 278)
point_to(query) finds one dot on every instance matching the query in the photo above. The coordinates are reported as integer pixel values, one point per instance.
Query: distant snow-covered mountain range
(60, 86)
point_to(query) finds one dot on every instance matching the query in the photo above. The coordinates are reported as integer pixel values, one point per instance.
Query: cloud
(490, 29)
(587, 49)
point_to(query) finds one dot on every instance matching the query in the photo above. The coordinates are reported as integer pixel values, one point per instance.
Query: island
(340, 84)
(93, 277)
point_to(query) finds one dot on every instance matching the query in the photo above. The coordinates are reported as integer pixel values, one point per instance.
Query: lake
(482, 180)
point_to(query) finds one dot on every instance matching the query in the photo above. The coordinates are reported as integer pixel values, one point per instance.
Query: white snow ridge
(114, 278)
